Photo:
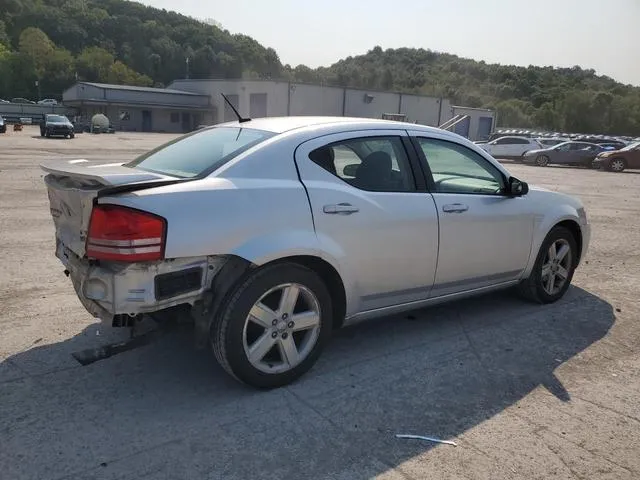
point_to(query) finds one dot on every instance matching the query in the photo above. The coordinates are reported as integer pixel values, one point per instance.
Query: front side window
(200, 152)
(378, 164)
(456, 169)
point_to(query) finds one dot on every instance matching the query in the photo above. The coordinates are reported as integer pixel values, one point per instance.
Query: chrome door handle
(340, 209)
(455, 208)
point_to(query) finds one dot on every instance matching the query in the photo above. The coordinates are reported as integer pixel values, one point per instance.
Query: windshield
(200, 152)
(632, 146)
(57, 118)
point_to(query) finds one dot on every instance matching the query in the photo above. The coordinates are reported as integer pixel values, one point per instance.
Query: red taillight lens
(125, 235)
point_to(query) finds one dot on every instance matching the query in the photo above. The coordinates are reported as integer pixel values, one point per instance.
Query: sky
(598, 34)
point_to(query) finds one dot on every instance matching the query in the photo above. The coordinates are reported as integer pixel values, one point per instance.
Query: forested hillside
(118, 42)
(115, 41)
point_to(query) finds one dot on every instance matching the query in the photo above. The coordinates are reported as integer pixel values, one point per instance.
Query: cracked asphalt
(526, 391)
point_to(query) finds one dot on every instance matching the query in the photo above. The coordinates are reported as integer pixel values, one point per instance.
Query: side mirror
(517, 188)
(350, 170)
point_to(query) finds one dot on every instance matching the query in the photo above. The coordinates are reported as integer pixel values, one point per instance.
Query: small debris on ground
(428, 439)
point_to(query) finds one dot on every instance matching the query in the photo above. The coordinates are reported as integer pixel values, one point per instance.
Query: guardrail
(19, 113)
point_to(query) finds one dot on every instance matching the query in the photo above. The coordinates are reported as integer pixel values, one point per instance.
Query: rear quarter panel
(254, 207)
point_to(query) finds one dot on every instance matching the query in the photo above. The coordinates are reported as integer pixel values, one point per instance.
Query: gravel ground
(526, 391)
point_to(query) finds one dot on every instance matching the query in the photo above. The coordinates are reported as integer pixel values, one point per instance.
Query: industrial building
(187, 103)
(142, 109)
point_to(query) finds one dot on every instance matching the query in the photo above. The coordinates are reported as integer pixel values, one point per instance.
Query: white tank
(100, 120)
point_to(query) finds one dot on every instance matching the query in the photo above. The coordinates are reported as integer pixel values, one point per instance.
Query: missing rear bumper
(119, 293)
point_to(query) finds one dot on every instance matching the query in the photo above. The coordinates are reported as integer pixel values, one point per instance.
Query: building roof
(141, 89)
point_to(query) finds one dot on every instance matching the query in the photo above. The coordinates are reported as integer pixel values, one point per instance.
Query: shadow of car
(169, 408)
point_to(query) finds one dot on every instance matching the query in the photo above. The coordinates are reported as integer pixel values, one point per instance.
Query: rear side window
(200, 152)
(376, 164)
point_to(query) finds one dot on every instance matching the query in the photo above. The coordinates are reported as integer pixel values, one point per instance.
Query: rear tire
(536, 287)
(274, 349)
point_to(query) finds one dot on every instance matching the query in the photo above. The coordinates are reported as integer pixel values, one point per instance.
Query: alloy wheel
(542, 161)
(617, 165)
(556, 266)
(281, 328)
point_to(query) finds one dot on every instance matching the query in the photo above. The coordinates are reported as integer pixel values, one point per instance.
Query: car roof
(514, 136)
(285, 124)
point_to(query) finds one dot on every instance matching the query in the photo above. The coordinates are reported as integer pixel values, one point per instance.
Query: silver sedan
(567, 153)
(272, 233)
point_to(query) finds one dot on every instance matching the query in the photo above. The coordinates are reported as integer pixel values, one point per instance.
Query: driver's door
(485, 236)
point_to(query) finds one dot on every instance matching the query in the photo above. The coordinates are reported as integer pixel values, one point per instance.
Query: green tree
(516, 113)
(36, 45)
(59, 72)
(120, 74)
(94, 64)
(4, 38)
(547, 117)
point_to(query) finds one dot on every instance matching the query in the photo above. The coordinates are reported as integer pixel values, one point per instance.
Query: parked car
(567, 153)
(619, 160)
(599, 140)
(48, 101)
(53, 125)
(273, 232)
(3, 125)
(510, 147)
(22, 100)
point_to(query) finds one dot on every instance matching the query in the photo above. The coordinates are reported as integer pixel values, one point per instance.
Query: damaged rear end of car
(114, 255)
(113, 244)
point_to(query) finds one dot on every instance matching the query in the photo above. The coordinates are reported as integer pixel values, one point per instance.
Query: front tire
(555, 264)
(542, 160)
(273, 326)
(617, 165)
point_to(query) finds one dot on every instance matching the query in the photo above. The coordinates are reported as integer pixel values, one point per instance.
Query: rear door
(485, 236)
(372, 212)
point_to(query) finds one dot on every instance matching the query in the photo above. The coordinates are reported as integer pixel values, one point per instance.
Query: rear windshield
(200, 152)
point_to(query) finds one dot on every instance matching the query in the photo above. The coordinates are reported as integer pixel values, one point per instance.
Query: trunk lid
(72, 186)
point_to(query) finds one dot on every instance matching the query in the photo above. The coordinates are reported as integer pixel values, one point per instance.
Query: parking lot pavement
(526, 391)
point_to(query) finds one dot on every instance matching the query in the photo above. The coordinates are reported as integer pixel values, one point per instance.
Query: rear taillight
(125, 235)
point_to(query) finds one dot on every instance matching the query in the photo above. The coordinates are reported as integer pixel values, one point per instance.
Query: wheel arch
(568, 221)
(331, 278)
(576, 231)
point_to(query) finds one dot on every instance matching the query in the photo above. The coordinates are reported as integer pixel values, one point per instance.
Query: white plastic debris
(428, 439)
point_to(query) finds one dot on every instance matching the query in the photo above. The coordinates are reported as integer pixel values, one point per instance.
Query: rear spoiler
(134, 187)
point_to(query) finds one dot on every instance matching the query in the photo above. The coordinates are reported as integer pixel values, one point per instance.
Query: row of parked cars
(607, 154)
(26, 101)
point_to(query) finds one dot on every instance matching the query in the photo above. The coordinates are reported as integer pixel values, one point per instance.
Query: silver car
(271, 233)
(566, 153)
